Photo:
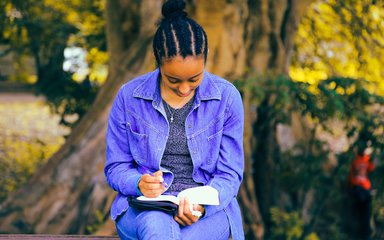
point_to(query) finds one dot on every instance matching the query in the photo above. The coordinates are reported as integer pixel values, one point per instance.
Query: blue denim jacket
(138, 131)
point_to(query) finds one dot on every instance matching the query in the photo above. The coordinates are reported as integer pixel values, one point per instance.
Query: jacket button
(189, 125)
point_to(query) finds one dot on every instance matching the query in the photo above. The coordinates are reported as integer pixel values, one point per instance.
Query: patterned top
(176, 156)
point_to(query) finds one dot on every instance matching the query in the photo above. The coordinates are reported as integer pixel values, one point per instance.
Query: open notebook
(204, 195)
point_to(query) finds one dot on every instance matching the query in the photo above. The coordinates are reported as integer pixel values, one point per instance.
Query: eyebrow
(168, 76)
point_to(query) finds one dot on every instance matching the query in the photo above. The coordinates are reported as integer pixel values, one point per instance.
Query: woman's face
(181, 76)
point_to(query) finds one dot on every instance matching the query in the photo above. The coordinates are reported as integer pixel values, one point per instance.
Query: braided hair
(178, 35)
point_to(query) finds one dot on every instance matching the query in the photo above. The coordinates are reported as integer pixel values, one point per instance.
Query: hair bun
(173, 9)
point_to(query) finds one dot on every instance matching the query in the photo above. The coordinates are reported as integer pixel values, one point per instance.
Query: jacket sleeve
(120, 168)
(230, 165)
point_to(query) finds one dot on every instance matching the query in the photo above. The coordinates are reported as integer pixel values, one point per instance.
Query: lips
(185, 94)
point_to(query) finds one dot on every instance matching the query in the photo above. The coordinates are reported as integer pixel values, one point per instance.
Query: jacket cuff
(138, 192)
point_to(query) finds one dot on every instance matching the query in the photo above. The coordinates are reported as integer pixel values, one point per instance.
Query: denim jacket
(138, 131)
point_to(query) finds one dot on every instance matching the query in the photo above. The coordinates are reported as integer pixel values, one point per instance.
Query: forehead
(183, 67)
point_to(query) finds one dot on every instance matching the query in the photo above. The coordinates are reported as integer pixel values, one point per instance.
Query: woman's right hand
(152, 185)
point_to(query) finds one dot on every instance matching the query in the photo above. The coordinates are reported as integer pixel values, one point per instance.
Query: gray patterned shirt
(176, 156)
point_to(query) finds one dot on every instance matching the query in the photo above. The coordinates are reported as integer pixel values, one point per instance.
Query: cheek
(196, 85)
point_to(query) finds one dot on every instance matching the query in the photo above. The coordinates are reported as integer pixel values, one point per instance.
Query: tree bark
(246, 38)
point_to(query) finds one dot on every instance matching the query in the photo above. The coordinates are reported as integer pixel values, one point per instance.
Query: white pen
(163, 182)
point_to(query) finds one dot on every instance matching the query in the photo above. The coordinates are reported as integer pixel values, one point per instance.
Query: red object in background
(358, 172)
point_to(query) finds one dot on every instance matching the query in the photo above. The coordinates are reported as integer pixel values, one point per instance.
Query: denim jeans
(156, 225)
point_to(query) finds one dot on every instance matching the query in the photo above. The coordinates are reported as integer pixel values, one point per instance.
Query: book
(204, 195)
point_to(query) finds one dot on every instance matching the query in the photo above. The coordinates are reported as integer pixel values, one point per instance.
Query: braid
(175, 39)
(205, 44)
(178, 34)
(164, 51)
(171, 43)
(193, 42)
(158, 51)
(184, 37)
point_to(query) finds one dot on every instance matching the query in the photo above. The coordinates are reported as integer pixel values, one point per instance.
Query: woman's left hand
(184, 215)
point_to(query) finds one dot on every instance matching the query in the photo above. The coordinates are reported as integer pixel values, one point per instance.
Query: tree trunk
(245, 38)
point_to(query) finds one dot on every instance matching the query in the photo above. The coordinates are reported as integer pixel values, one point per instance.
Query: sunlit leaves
(98, 66)
(39, 28)
(341, 38)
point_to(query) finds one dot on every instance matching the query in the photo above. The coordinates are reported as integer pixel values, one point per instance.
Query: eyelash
(176, 81)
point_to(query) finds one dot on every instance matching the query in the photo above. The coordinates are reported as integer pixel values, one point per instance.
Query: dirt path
(19, 97)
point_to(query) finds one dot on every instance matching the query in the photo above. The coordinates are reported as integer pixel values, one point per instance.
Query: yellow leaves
(8, 8)
(98, 65)
(32, 79)
(90, 24)
(340, 90)
(341, 39)
(351, 89)
(308, 75)
(98, 56)
(29, 135)
(73, 17)
(312, 236)
(376, 13)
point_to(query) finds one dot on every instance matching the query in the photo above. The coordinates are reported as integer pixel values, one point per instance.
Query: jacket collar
(149, 89)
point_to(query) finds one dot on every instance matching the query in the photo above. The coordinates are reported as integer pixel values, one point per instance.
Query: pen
(163, 182)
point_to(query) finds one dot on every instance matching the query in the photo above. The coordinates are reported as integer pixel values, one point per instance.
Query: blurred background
(311, 77)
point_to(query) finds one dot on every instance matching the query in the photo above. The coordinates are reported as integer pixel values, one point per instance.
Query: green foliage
(288, 226)
(69, 99)
(308, 165)
(42, 30)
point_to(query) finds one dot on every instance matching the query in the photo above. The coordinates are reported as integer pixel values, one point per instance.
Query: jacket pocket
(213, 142)
(138, 143)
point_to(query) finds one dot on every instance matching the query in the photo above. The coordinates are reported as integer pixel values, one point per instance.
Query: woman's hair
(178, 35)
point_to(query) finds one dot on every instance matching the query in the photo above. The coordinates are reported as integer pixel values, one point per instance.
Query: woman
(175, 128)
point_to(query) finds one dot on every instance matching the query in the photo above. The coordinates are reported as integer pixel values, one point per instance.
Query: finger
(180, 210)
(201, 209)
(159, 175)
(187, 217)
(187, 207)
(179, 221)
(144, 177)
(152, 186)
(151, 179)
(195, 207)
(151, 193)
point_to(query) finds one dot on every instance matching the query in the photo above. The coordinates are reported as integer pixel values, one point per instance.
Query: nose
(184, 88)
